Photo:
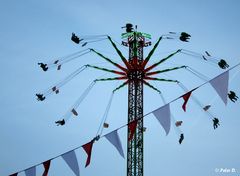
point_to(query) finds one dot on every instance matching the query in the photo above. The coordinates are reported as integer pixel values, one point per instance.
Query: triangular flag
(114, 139)
(163, 116)
(31, 171)
(74, 112)
(132, 128)
(71, 160)
(46, 166)
(88, 149)
(186, 98)
(220, 84)
(14, 174)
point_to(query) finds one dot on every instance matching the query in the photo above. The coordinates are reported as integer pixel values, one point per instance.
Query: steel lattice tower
(135, 105)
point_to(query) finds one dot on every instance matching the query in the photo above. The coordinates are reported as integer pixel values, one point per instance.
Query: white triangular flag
(220, 84)
(31, 171)
(71, 159)
(114, 139)
(163, 115)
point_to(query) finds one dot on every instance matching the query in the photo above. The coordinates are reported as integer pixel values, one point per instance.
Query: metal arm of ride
(160, 79)
(151, 53)
(151, 86)
(166, 70)
(161, 61)
(105, 69)
(121, 86)
(109, 60)
(120, 54)
(111, 79)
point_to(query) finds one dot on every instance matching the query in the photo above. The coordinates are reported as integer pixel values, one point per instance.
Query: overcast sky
(35, 31)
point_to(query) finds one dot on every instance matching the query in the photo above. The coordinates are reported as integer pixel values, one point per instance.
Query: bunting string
(195, 100)
(231, 79)
(88, 146)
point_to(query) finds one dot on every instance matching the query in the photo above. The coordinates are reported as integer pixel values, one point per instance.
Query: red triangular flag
(88, 149)
(46, 165)
(14, 174)
(186, 98)
(132, 128)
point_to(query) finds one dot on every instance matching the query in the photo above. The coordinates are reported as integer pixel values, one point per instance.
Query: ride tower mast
(136, 42)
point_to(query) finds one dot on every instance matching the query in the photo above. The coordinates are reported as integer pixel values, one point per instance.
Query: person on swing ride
(40, 97)
(184, 37)
(75, 38)
(232, 96)
(215, 123)
(43, 66)
(223, 64)
(181, 138)
(60, 122)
